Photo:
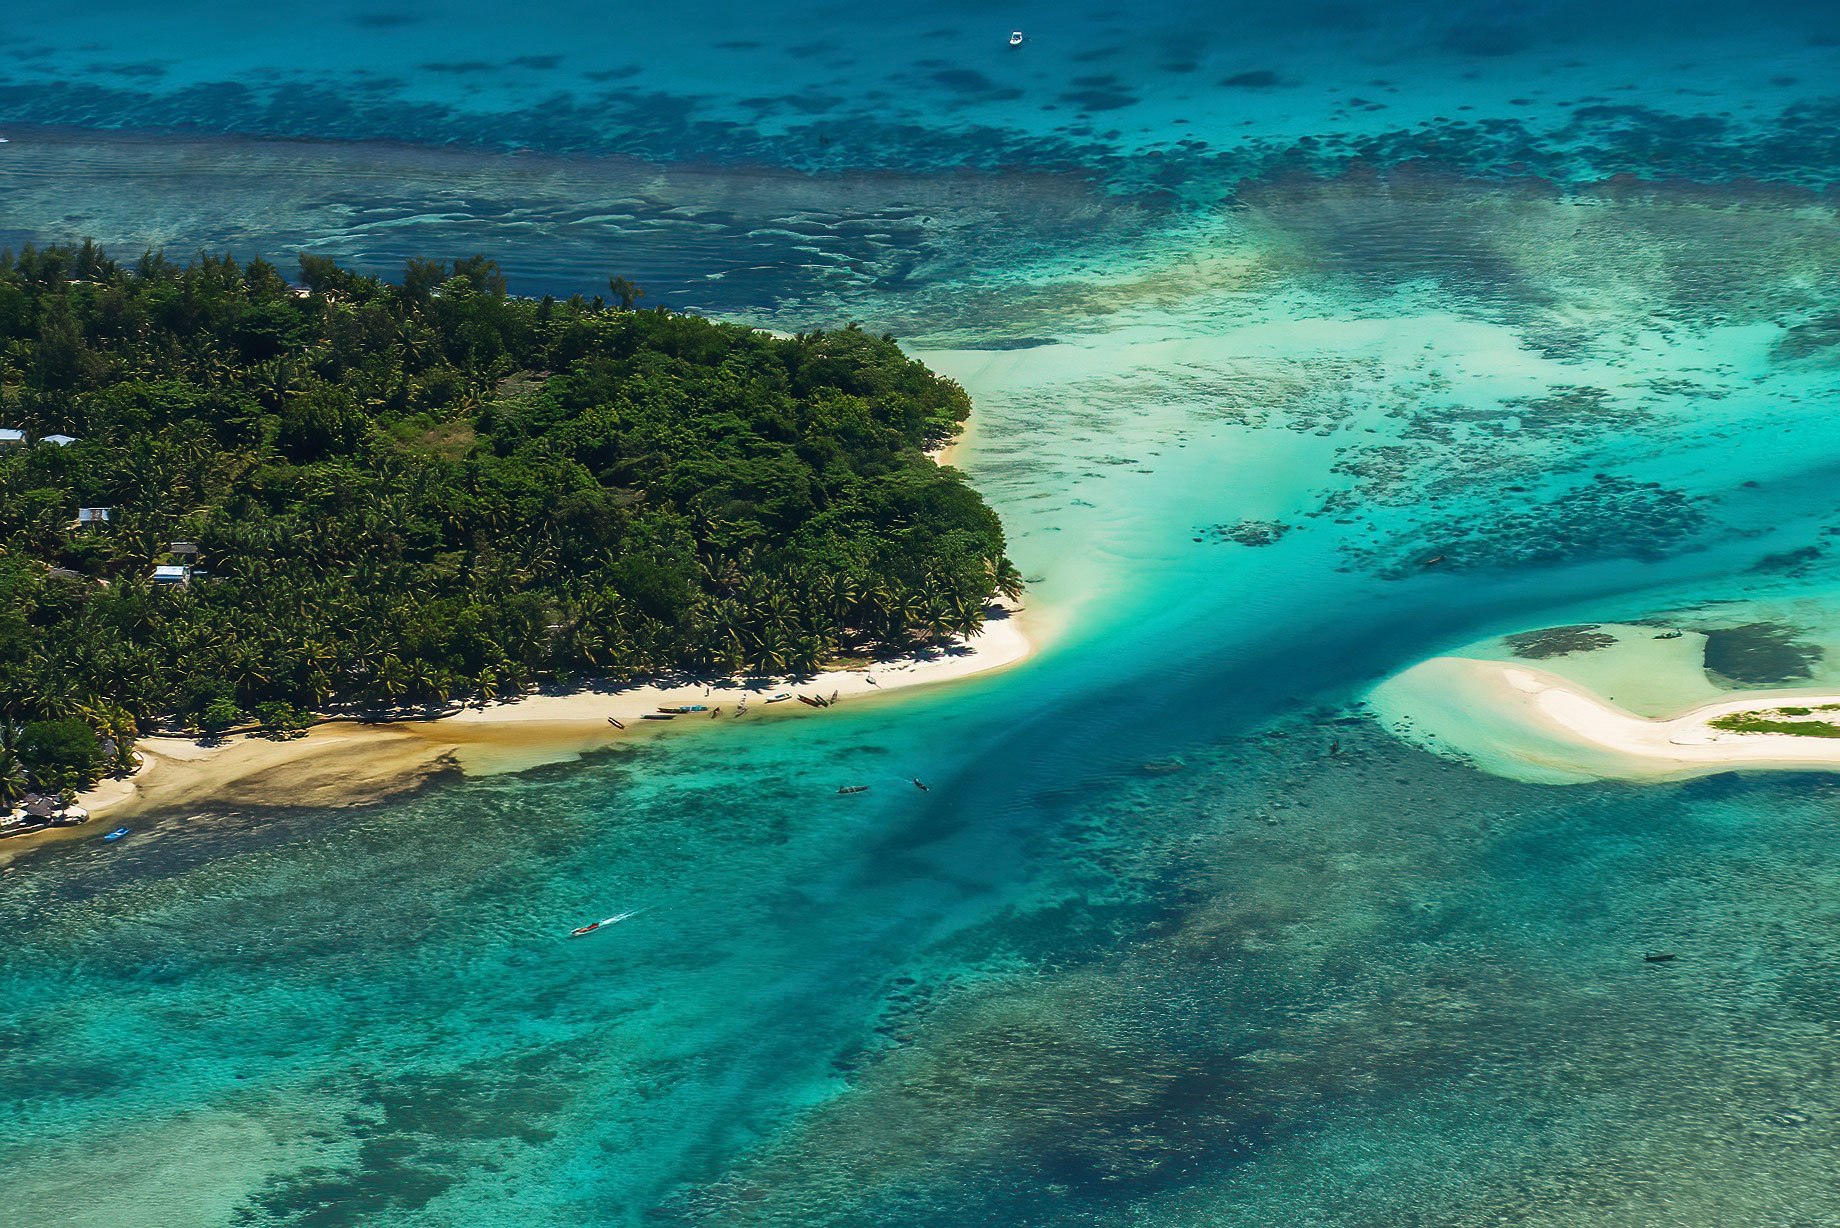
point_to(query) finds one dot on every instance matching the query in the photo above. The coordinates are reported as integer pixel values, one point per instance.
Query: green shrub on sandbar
(1763, 722)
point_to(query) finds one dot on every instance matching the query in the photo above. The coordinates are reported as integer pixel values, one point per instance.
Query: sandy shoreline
(343, 762)
(1531, 724)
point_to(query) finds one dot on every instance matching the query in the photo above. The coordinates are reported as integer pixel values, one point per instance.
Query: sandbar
(1531, 724)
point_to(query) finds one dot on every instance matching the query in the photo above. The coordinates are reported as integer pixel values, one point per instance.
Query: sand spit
(1530, 724)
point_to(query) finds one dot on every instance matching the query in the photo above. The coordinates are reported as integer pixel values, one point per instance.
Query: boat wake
(613, 920)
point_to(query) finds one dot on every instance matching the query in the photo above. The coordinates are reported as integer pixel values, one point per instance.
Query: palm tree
(935, 616)
(965, 616)
(1006, 579)
(906, 614)
(418, 344)
(13, 784)
(587, 644)
(625, 291)
(875, 606)
(278, 382)
(770, 657)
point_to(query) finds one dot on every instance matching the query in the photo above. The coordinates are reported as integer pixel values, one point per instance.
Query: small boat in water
(115, 835)
(1015, 38)
(854, 789)
(613, 920)
(921, 785)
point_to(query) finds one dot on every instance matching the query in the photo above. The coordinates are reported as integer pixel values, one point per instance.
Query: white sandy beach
(342, 762)
(1530, 724)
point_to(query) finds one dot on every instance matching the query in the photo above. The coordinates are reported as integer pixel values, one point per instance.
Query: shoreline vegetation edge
(348, 762)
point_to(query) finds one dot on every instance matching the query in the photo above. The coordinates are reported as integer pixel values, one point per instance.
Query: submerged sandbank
(345, 762)
(1527, 723)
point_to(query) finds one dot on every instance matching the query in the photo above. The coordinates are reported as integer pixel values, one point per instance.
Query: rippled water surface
(1262, 307)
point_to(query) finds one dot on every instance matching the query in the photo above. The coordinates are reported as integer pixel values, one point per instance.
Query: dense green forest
(410, 495)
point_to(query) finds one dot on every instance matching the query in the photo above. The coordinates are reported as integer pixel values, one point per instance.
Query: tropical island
(231, 502)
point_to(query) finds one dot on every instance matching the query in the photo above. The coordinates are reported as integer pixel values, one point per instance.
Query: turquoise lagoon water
(1178, 936)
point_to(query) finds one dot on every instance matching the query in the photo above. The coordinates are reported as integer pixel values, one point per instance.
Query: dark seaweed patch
(144, 70)
(411, 1134)
(1761, 653)
(1817, 336)
(536, 61)
(1249, 532)
(1257, 79)
(1099, 99)
(964, 80)
(1789, 562)
(1009, 343)
(1551, 642)
(1609, 518)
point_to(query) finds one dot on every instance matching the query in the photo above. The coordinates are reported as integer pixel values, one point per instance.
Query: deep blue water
(1178, 936)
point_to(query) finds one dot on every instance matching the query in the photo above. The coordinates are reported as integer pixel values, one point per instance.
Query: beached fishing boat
(809, 702)
(781, 697)
(616, 723)
(659, 716)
